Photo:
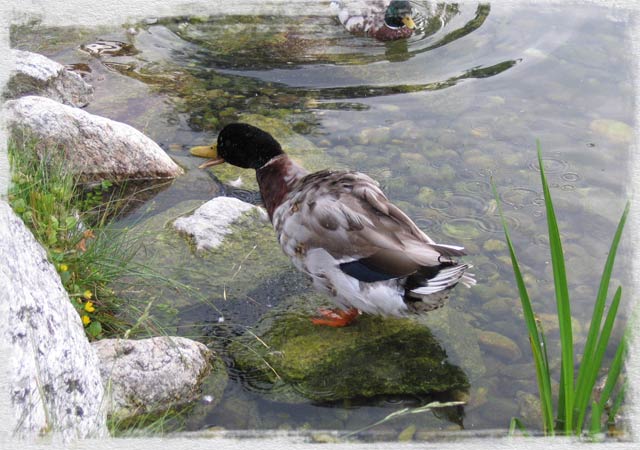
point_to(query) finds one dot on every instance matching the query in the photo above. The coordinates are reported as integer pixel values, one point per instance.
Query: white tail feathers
(446, 279)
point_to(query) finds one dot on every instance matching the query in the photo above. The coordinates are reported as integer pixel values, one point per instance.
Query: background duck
(382, 19)
(339, 228)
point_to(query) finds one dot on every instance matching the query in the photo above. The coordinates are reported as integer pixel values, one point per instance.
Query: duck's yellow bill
(207, 151)
(408, 22)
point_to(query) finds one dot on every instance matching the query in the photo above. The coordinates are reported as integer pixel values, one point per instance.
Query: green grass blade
(595, 361)
(516, 423)
(539, 352)
(544, 388)
(614, 373)
(583, 392)
(596, 419)
(562, 302)
(617, 404)
(560, 415)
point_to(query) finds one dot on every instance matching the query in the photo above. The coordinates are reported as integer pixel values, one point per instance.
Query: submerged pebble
(494, 246)
(498, 307)
(612, 129)
(502, 346)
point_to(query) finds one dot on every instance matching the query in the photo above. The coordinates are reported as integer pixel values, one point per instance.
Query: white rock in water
(151, 375)
(53, 378)
(36, 74)
(210, 223)
(96, 148)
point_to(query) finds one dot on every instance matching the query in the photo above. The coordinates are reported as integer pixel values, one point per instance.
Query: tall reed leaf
(565, 410)
(583, 388)
(572, 404)
(595, 360)
(535, 337)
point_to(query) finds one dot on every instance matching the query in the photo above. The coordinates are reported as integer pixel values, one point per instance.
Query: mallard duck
(339, 228)
(382, 19)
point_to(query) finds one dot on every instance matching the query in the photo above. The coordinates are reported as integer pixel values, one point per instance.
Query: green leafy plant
(575, 395)
(86, 252)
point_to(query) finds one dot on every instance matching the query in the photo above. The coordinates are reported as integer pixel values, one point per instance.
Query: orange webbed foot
(336, 317)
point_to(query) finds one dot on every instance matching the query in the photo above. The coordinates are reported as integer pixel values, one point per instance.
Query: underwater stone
(372, 356)
(150, 376)
(95, 148)
(502, 409)
(518, 371)
(36, 74)
(426, 195)
(209, 224)
(500, 345)
(478, 398)
(499, 306)
(529, 409)
(457, 335)
(612, 129)
(52, 376)
(239, 413)
(494, 245)
(374, 136)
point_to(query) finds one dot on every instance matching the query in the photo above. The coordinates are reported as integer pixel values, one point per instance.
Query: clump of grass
(86, 252)
(575, 396)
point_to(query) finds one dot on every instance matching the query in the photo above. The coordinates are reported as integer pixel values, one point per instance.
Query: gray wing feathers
(351, 216)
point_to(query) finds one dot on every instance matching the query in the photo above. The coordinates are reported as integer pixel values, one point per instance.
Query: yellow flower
(87, 294)
(86, 320)
(89, 307)
(64, 267)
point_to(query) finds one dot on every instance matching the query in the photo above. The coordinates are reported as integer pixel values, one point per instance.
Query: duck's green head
(242, 145)
(399, 14)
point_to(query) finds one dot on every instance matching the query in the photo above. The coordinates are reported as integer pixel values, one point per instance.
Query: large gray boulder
(149, 376)
(36, 74)
(96, 148)
(54, 381)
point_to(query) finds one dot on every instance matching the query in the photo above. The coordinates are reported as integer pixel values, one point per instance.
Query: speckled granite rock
(96, 148)
(36, 74)
(149, 376)
(54, 381)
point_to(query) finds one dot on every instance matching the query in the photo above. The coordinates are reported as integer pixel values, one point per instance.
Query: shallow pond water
(434, 119)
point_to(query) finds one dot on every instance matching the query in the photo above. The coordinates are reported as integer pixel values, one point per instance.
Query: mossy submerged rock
(292, 359)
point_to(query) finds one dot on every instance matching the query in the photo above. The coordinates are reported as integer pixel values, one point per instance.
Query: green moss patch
(290, 357)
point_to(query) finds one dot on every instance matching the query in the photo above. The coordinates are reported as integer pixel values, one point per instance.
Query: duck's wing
(348, 215)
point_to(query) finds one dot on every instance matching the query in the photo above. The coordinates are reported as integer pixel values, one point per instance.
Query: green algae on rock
(292, 359)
